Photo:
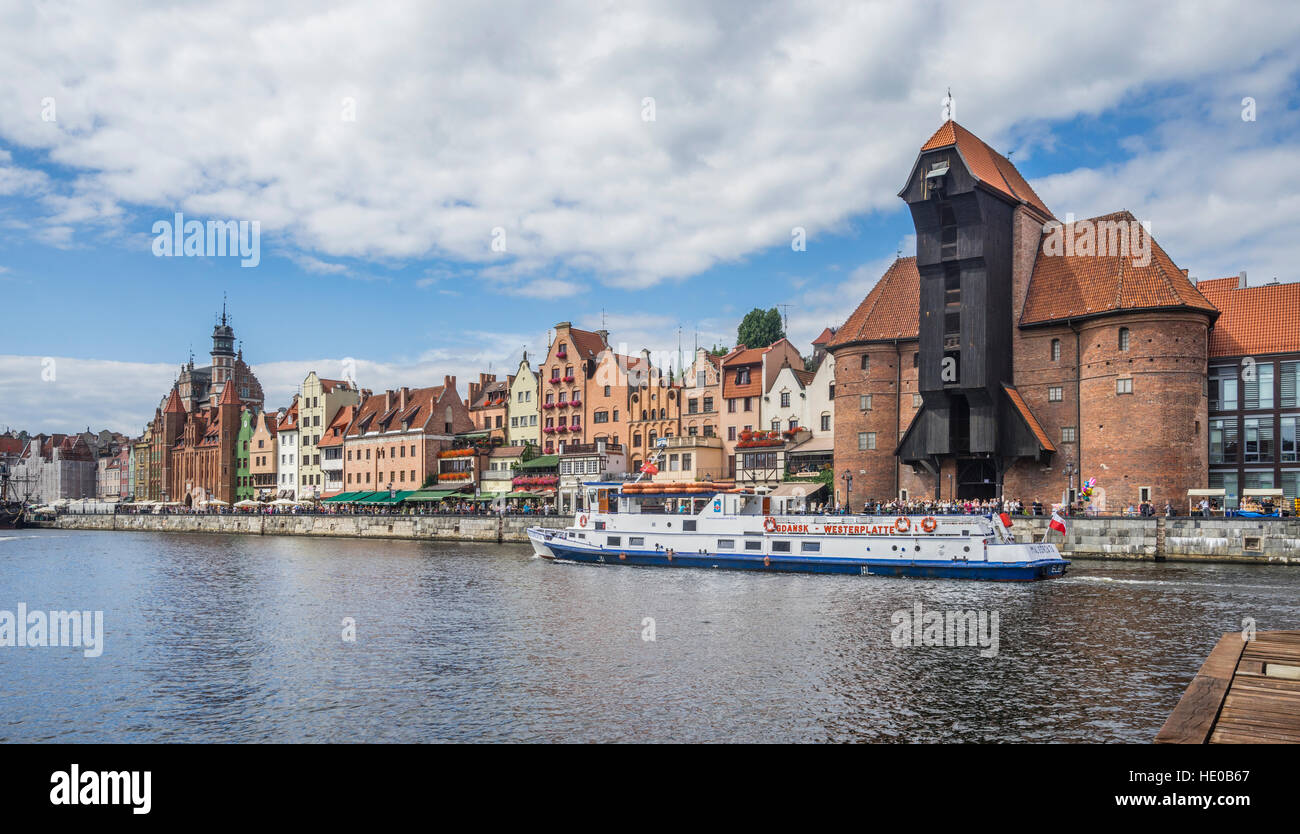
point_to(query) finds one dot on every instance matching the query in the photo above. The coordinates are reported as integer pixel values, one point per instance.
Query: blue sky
(376, 231)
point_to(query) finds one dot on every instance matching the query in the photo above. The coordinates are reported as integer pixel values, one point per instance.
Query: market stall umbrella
(284, 502)
(246, 503)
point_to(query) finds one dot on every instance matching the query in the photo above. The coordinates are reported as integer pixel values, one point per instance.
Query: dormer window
(742, 376)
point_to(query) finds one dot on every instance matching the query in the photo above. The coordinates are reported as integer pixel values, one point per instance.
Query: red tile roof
(588, 344)
(890, 310)
(743, 357)
(825, 338)
(987, 165)
(333, 434)
(1254, 320)
(228, 394)
(174, 403)
(372, 416)
(328, 385)
(1071, 286)
(1029, 418)
(289, 421)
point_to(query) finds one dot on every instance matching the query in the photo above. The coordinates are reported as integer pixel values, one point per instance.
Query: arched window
(1123, 338)
(1056, 350)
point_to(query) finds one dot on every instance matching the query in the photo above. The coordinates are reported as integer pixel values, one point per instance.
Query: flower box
(568, 379)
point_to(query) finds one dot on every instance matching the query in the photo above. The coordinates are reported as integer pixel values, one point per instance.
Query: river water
(240, 638)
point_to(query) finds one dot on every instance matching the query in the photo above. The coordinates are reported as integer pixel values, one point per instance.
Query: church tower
(223, 354)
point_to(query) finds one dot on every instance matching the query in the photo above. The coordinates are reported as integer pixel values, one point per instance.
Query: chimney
(449, 382)
(388, 400)
(404, 394)
(473, 392)
(1241, 280)
(604, 337)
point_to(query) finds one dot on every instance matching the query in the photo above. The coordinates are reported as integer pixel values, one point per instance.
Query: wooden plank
(1193, 719)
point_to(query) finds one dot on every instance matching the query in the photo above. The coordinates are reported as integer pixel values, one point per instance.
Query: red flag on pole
(1057, 523)
(649, 469)
(1006, 520)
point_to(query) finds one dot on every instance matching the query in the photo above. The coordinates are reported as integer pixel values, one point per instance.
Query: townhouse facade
(746, 374)
(524, 414)
(319, 400)
(262, 452)
(394, 440)
(566, 379)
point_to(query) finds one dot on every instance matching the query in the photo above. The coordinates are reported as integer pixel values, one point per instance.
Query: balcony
(598, 447)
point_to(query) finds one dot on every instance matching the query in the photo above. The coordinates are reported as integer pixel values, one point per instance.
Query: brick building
(1017, 355)
(395, 437)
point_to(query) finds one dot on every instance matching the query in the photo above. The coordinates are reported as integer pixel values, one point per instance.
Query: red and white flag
(1006, 520)
(1057, 523)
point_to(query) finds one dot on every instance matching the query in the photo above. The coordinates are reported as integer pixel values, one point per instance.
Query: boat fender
(767, 561)
(670, 554)
(929, 523)
(903, 523)
(622, 556)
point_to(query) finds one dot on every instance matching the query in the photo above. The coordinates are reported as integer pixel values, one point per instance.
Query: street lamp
(1069, 470)
(848, 489)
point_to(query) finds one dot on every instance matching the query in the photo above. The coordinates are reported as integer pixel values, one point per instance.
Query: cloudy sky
(641, 164)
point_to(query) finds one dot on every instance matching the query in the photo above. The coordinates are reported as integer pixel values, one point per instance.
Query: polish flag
(1057, 523)
(649, 469)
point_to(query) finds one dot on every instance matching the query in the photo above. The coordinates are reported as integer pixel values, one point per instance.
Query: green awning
(543, 462)
(397, 497)
(430, 494)
(344, 496)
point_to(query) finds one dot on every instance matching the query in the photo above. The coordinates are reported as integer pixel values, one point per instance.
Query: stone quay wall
(1247, 540)
(447, 527)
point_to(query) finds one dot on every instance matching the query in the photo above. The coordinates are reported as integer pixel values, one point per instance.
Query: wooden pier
(1247, 692)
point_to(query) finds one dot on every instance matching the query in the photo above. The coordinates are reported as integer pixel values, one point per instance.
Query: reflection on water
(238, 638)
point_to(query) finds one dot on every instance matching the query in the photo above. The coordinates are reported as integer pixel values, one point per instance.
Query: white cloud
(471, 116)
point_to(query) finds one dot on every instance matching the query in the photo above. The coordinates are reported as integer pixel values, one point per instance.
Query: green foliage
(760, 328)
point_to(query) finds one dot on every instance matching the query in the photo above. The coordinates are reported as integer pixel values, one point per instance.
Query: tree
(760, 328)
(720, 350)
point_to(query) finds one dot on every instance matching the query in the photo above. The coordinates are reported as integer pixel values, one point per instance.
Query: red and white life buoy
(903, 523)
(929, 523)
(582, 521)
(769, 524)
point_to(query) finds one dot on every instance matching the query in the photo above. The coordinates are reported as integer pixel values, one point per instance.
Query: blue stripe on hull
(988, 571)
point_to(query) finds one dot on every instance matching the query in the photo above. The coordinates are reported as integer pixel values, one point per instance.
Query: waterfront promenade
(1233, 539)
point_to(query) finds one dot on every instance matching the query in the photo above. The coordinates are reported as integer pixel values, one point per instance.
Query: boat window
(600, 525)
(726, 544)
(635, 540)
(780, 547)
(753, 545)
(613, 541)
(688, 526)
(810, 547)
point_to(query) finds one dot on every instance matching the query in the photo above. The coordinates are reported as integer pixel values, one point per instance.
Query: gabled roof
(174, 403)
(289, 421)
(824, 338)
(587, 344)
(492, 391)
(890, 310)
(1028, 416)
(1067, 286)
(371, 415)
(1253, 320)
(228, 394)
(328, 385)
(333, 434)
(985, 164)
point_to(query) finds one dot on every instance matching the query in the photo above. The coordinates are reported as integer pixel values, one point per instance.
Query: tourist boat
(705, 525)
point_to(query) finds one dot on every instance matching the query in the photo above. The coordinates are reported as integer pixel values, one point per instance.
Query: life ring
(929, 523)
(903, 523)
(769, 524)
(582, 521)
